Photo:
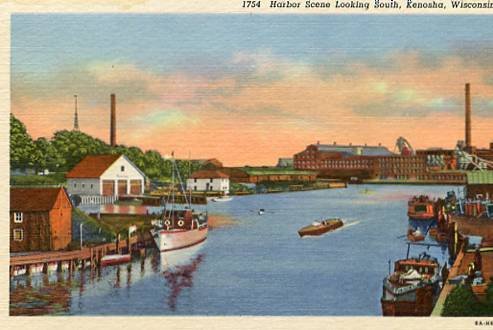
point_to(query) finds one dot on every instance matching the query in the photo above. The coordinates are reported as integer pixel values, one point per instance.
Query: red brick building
(377, 162)
(40, 219)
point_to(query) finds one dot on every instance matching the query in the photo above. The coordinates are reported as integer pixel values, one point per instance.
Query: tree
(45, 155)
(72, 146)
(21, 145)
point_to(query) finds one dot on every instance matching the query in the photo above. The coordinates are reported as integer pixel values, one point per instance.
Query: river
(254, 265)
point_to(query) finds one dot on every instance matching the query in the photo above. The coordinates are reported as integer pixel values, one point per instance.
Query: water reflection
(178, 268)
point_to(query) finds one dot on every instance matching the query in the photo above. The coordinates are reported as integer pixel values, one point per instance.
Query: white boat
(224, 198)
(52, 267)
(179, 228)
(36, 269)
(19, 270)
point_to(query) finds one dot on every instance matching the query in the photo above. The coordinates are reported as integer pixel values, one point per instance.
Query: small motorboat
(261, 211)
(322, 227)
(19, 270)
(115, 259)
(415, 235)
(224, 198)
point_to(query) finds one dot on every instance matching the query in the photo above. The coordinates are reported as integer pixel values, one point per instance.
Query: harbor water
(253, 264)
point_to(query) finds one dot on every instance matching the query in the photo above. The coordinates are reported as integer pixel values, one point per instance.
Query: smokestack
(468, 116)
(113, 121)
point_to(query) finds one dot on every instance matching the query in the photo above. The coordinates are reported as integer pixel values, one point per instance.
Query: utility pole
(80, 232)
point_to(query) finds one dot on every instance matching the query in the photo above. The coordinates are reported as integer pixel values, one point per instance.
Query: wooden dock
(93, 254)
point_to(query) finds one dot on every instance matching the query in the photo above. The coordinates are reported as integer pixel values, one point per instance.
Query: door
(135, 187)
(122, 187)
(108, 187)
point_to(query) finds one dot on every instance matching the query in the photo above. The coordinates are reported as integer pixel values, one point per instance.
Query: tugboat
(318, 228)
(421, 208)
(413, 288)
(179, 228)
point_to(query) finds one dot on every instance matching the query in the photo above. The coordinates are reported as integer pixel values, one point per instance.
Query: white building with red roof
(105, 175)
(209, 180)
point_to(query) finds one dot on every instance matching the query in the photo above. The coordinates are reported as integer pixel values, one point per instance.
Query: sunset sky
(248, 89)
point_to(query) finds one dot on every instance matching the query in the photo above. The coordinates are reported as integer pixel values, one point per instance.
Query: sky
(248, 89)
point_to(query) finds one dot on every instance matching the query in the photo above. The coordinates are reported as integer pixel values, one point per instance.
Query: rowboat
(115, 259)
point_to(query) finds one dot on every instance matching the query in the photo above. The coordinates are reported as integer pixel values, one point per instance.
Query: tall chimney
(113, 121)
(468, 116)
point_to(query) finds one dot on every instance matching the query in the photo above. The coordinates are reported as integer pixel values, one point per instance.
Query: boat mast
(172, 188)
(189, 174)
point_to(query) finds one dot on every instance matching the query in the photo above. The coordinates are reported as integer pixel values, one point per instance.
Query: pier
(92, 254)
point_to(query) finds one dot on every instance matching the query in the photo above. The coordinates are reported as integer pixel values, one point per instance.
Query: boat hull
(320, 230)
(421, 305)
(111, 260)
(169, 240)
(422, 217)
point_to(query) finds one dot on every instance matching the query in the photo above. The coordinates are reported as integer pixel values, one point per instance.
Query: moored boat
(224, 198)
(19, 270)
(415, 235)
(178, 227)
(115, 259)
(413, 287)
(421, 208)
(318, 228)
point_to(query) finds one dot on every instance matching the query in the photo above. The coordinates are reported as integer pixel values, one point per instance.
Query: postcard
(298, 164)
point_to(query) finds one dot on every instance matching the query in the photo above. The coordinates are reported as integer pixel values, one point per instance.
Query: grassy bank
(53, 179)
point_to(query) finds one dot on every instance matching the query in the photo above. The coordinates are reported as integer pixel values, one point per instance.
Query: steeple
(76, 118)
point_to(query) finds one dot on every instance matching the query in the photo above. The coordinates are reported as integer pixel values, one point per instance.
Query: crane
(404, 147)
(466, 161)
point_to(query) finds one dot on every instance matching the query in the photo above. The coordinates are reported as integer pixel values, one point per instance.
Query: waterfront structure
(285, 163)
(249, 174)
(40, 219)
(479, 183)
(209, 180)
(105, 175)
(378, 163)
(340, 161)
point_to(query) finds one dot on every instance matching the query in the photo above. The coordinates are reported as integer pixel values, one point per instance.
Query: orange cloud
(262, 107)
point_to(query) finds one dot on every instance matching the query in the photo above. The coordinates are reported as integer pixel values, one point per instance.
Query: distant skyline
(248, 89)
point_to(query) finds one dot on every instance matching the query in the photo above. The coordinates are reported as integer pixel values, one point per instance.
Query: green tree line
(66, 148)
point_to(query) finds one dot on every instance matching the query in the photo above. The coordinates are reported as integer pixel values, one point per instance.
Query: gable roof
(33, 199)
(207, 174)
(92, 166)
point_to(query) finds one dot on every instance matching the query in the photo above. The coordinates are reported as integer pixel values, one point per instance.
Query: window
(75, 185)
(211, 180)
(195, 180)
(18, 217)
(83, 185)
(195, 188)
(92, 186)
(122, 168)
(18, 234)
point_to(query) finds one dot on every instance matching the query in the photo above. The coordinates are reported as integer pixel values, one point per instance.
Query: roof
(354, 149)
(274, 171)
(92, 166)
(207, 174)
(33, 199)
(480, 177)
